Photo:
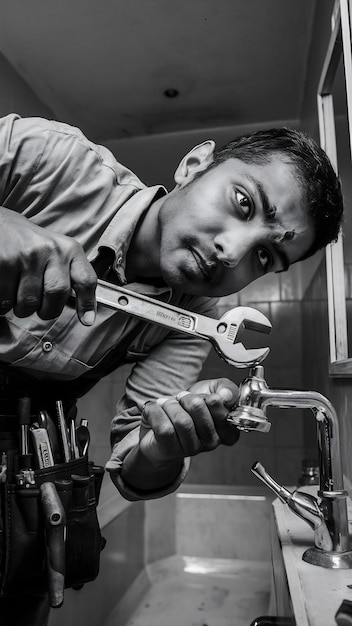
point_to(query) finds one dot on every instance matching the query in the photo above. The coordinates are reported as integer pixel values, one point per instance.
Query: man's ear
(196, 160)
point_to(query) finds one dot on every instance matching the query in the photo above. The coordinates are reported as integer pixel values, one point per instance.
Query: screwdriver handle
(83, 437)
(55, 527)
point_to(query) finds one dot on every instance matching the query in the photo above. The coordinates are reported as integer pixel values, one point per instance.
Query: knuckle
(212, 444)
(26, 306)
(57, 292)
(188, 427)
(87, 280)
(164, 431)
(147, 407)
(50, 245)
(5, 306)
(88, 275)
(196, 403)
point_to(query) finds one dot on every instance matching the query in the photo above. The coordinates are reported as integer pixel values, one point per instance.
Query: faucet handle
(302, 504)
(259, 470)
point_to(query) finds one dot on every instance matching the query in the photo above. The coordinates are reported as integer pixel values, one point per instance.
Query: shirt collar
(117, 236)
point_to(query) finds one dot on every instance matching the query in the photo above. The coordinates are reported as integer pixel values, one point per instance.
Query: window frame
(339, 45)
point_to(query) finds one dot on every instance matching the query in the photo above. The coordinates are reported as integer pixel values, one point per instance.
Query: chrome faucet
(328, 514)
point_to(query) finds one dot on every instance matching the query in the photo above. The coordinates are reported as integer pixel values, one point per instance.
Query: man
(71, 213)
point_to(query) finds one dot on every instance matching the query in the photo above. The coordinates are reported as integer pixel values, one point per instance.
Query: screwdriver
(24, 415)
(83, 437)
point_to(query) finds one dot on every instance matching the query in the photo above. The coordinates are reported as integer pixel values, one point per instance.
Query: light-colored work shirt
(55, 177)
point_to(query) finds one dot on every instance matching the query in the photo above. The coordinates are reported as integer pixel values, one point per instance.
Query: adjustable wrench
(221, 333)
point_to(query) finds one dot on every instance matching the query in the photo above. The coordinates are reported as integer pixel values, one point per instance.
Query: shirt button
(47, 346)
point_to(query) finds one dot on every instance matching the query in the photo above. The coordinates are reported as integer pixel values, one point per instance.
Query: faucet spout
(331, 477)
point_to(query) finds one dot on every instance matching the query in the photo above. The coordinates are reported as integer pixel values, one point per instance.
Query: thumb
(228, 391)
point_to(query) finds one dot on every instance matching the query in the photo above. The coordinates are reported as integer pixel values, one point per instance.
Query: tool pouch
(24, 541)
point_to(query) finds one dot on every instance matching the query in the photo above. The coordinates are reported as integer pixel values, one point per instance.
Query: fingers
(227, 389)
(187, 424)
(40, 268)
(211, 421)
(227, 432)
(202, 418)
(8, 288)
(55, 291)
(159, 439)
(84, 282)
(48, 293)
(68, 268)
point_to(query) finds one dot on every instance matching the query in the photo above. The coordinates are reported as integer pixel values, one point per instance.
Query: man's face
(235, 223)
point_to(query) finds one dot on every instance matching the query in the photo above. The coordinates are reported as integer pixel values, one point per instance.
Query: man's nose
(231, 249)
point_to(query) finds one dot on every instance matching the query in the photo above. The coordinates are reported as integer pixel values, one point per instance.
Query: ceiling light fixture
(171, 93)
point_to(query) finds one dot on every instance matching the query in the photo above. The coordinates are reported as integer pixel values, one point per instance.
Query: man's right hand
(38, 269)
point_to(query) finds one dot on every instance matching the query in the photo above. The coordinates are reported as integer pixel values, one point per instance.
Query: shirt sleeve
(171, 367)
(21, 149)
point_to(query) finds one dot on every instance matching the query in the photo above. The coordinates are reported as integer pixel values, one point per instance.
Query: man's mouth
(207, 268)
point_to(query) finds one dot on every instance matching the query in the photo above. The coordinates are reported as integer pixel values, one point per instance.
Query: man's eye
(244, 202)
(264, 258)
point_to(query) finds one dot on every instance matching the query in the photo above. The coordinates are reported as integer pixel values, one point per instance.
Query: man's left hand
(189, 423)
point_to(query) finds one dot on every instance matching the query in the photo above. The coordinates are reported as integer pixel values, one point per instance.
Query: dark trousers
(24, 610)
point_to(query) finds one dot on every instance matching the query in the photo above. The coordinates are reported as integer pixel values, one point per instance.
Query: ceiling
(104, 65)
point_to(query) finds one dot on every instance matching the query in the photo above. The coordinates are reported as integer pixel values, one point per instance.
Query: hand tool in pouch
(63, 430)
(46, 421)
(83, 437)
(24, 417)
(42, 446)
(55, 527)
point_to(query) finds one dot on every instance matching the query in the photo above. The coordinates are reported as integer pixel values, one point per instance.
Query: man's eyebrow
(272, 221)
(268, 210)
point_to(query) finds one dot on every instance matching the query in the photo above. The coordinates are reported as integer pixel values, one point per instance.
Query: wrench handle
(155, 311)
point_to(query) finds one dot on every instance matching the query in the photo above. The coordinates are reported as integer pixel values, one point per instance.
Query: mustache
(209, 260)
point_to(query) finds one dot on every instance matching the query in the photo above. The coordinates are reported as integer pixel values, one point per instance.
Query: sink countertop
(316, 593)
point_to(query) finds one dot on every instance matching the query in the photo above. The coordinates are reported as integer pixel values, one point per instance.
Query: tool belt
(49, 491)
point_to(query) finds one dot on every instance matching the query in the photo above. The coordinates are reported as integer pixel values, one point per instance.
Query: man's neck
(142, 261)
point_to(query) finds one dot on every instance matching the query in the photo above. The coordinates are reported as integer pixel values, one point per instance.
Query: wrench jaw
(241, 357)
(228, 328)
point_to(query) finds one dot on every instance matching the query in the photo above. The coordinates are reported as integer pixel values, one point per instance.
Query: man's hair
(314, 170)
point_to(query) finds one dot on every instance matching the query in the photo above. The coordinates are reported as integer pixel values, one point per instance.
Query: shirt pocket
(33, 346)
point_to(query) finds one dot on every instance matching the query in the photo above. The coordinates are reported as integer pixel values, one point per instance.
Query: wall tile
(286, 334)
(291, 283)
(289, 465)
(265, 289)
(288, 428)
